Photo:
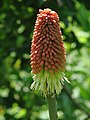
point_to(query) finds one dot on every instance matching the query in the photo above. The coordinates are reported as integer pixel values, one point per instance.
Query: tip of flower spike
(48, 12)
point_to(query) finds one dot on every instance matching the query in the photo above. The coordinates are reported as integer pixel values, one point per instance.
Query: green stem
(52, 108)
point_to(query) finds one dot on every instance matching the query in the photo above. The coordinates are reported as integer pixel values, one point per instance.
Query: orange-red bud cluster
(47, 50)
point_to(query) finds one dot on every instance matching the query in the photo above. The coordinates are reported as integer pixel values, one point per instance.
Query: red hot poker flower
(47, 53)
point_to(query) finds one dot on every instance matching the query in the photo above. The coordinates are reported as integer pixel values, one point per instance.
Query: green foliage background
(17, 101)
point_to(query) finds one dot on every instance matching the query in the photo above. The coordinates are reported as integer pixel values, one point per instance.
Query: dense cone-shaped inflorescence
(47, 53)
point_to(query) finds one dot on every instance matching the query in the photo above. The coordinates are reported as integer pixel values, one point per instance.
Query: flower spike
(48, 57)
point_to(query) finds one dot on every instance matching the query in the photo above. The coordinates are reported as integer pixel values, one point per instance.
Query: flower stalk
(52, 108)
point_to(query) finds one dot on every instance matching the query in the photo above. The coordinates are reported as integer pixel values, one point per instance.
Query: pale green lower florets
(48, 83)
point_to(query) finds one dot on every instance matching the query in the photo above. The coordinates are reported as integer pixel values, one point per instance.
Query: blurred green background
(17, 101)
